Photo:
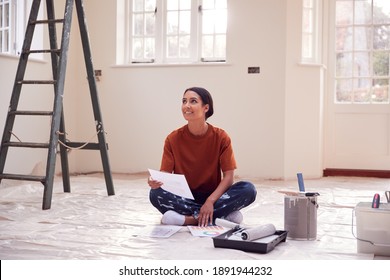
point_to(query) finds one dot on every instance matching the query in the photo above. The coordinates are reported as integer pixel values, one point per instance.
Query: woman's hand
(206, 214)
(154, 184)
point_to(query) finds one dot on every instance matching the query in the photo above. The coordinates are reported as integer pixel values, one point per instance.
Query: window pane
(307, 3)
(307, 47)
(137, 48)
(344, 38)
(380, 91)
(172, 46)
(362, 90)
(149, 24)
(208, 4)
(220, 21)
(221, 4)
(185, 4)
(150, 5)
(208, 22)
(172, 5)
(381, 11)
(6, 41)
(1, 16)
(381, 63)
(6, 15)
(220, 46)
(343, 12)
(144, 5)
(138, 5)
(207, 46)
(362, 13)
(172, 22)
(362, 64)
(307, 20)
(184, 44)
(214, 21)
(382, 37)
(343, 90)
(366, 60)
(138, 24)
(214, 26)
(179, 29)
(362, 38)
(344, 65)
(144, 29)
(149, 48)
(185, 22)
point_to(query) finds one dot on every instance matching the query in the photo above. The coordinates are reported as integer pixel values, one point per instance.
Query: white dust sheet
(89, 224)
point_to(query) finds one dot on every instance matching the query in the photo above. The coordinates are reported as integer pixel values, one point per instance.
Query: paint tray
(263, 245)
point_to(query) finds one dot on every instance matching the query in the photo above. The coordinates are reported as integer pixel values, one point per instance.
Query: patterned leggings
(238, 196)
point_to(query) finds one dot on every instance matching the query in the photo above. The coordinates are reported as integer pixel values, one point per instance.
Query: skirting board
(356, 173)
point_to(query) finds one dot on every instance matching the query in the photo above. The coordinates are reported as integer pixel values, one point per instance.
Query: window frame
(354, 51)
(7, 27)
(20, 10)
(311, 49)
(125, 47)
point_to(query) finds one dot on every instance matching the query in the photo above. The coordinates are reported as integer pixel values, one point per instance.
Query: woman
(204, 154)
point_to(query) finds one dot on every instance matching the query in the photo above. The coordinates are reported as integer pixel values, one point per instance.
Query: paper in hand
(174, 183)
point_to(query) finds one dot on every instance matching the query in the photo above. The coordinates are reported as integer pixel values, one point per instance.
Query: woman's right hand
(154, 184)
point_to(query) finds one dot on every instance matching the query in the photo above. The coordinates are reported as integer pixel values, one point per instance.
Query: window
(6, 26)
(173, 31)
(310, 31)
(362, 49)
(12, 22)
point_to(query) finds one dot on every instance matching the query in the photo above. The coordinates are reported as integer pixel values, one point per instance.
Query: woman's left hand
(206, 214)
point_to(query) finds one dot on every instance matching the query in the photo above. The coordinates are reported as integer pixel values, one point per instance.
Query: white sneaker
(235, 217)
(172, 218)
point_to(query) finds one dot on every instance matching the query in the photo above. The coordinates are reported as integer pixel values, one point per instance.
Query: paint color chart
(209, 231)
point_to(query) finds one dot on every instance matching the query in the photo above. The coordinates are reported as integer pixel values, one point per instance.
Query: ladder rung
(42, 51)
(46, 21)
(22, 177)
(35, 82)
(88, 146)
(32, 113)
(27, 145)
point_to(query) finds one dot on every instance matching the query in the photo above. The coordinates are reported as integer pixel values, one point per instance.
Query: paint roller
(258, 232)
(226, 224)
(248, 234)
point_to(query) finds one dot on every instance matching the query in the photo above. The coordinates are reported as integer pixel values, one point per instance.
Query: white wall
(28, 129)
(304, 101)
(261, 112)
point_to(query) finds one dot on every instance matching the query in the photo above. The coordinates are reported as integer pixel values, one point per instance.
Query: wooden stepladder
(59, 56)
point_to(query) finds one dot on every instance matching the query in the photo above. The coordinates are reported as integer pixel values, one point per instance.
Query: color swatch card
(159, 231)
(208, 231)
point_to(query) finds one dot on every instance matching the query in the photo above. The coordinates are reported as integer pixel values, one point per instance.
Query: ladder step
(85, 146)
(27, 145)
(32, 113)
(42, 51)
(46, 21)
(35, 82)
(22, 177)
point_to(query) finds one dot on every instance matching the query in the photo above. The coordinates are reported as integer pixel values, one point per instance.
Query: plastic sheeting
(89, 224)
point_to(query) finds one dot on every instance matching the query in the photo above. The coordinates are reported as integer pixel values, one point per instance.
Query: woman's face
(192, 107)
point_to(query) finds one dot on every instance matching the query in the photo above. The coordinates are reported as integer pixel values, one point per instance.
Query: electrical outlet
(254, 70)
